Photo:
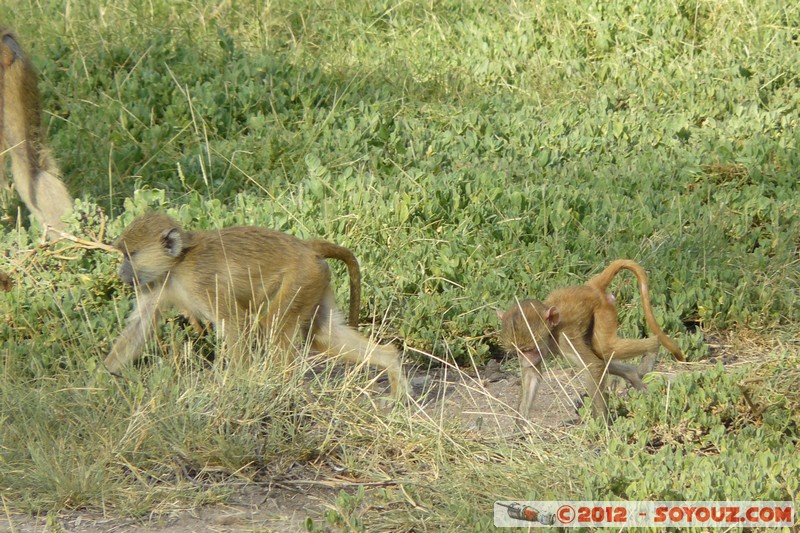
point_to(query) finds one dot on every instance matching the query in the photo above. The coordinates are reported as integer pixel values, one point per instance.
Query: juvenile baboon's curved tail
(603, 280)
(328, 250)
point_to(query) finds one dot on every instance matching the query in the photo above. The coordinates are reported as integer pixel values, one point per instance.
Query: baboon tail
(3, 65)
(328, 250)
(36, 176)
(41, 190)
(2, 117)
(602, 281)
(52, 201)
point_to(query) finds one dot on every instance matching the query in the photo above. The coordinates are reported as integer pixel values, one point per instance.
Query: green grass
(469, 153)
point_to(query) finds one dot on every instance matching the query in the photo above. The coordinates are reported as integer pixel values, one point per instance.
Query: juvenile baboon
(243, 280)
(581, 323)
(35, 172)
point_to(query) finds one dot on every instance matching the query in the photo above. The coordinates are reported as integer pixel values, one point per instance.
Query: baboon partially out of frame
(34, 170)
(581, 323)
(244, 280)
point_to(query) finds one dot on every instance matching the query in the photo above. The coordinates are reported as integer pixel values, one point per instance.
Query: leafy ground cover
(469, 153)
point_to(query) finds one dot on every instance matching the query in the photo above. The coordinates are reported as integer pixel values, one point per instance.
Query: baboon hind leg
(592, 372)
(630, 373)
(331, 335)
(608, 345)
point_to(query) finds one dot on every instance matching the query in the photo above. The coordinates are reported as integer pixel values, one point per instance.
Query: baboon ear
(16, 50)
(552, 316)
(172, 241)
(500, 314)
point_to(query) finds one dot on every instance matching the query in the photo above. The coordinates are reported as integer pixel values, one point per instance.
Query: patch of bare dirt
(485, 399)
(251, 508)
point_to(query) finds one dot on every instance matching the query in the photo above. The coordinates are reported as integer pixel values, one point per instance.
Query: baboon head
(527, 330)
(151, 246)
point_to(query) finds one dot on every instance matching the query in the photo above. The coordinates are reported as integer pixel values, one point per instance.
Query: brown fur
(35, 172)
(243, 279)
(581, 323)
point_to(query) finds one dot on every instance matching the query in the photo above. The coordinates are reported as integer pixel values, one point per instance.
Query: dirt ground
(483, 400)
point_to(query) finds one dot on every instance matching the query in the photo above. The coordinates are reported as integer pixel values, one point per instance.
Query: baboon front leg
(531, 378)
(131, 342)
